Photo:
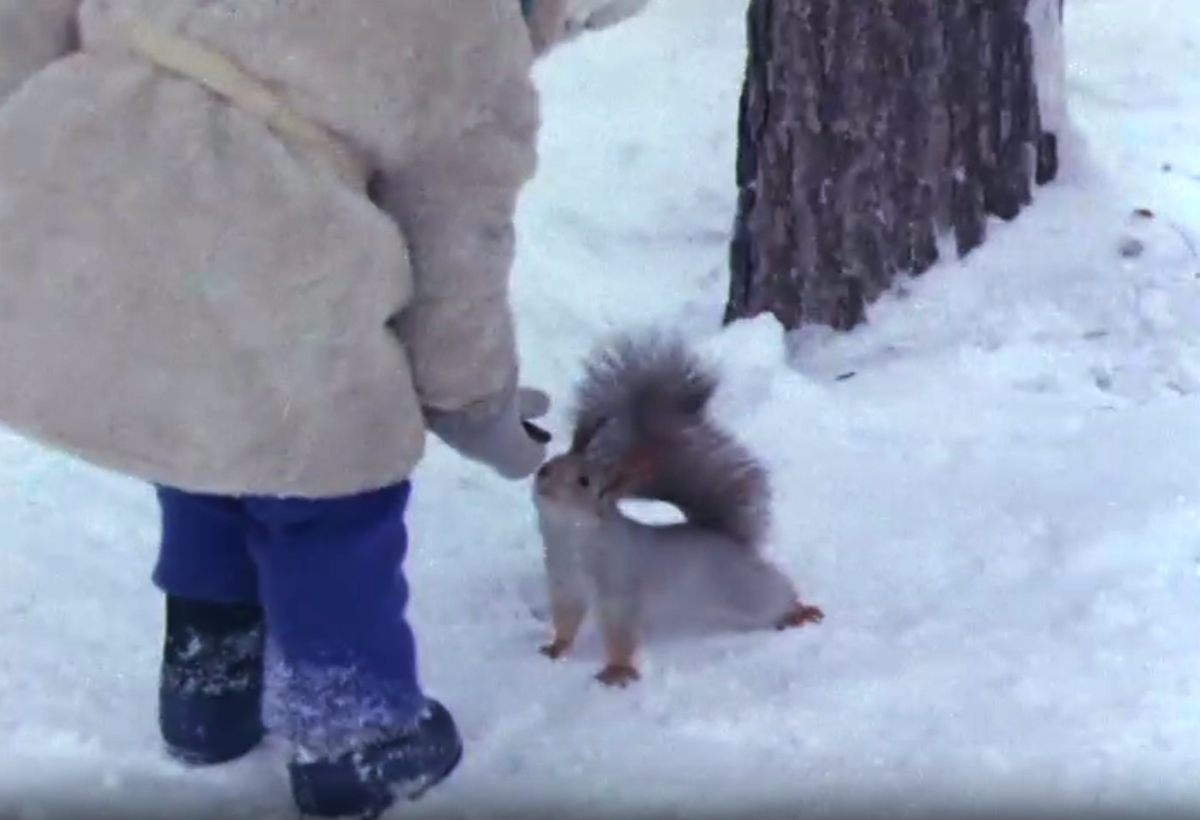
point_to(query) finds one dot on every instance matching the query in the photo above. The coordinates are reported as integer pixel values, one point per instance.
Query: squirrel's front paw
(619, 675)
(800, 615)
(555, 649)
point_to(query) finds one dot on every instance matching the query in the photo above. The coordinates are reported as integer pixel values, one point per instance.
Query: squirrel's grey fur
(637, 384)
(642, 431)
(648, 389)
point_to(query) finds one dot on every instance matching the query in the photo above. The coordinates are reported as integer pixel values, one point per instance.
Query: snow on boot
(364, 783)
(211, 681)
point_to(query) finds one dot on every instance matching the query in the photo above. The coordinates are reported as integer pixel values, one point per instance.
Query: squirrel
(641, 430)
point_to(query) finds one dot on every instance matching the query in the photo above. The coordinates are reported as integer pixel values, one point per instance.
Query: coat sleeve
(33, 34)
(455, 205)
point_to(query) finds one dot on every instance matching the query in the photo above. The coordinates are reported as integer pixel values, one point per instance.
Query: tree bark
(868, 128)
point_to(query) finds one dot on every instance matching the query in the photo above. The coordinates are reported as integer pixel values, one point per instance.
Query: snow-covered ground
(999, 512)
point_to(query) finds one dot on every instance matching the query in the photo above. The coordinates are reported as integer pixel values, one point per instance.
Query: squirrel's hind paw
(618, 675)
(800, 615)
(556, 649)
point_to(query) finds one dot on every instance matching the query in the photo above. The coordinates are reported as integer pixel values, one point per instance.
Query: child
(250, 252)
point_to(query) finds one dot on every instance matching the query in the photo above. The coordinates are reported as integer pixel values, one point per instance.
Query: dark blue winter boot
(366, 782)
(211, 683)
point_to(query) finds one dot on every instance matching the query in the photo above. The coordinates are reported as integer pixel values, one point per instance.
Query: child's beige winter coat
(195, 291)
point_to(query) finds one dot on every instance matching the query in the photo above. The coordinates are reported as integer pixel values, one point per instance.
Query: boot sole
(198, 760)
(417, 794)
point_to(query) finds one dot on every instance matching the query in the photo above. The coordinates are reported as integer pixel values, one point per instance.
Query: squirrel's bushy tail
(648, 393)
(638, 386)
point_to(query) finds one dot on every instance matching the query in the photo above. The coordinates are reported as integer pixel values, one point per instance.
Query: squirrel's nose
(543, 471)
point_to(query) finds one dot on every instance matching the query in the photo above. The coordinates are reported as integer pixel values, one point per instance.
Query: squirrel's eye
(584, 481)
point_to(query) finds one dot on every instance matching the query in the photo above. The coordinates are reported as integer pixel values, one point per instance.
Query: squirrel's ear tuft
(581, 439)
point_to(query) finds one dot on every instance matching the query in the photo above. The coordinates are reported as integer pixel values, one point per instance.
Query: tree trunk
(867, 128)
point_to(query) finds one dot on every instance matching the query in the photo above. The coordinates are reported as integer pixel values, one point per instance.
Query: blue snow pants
(328, 575)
